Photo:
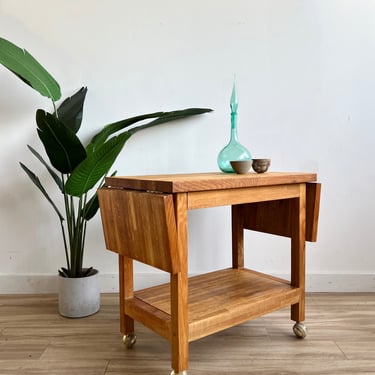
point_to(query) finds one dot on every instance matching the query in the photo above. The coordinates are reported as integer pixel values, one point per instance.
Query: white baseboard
(43, 284)
(340, 283)
(35, 284)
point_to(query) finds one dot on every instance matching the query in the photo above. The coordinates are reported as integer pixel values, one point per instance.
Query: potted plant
(78, 169)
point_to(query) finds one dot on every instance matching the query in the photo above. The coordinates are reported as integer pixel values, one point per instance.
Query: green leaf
(92, 206)
(95, 166)
(172, 116)
(56, 178)
(161, 117)
(70, 111)
(64, 149)
(110, 129)
(39, 185)
(25, 67)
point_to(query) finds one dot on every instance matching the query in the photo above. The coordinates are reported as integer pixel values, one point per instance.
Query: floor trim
(31, 284)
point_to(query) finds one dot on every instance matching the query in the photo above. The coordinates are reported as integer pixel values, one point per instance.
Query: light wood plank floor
(34, 339)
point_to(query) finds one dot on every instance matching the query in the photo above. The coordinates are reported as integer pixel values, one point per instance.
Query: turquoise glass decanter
(233, 150)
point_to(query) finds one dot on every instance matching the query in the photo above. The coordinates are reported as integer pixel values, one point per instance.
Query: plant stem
(55, 109)
(84, 225)
(69, 212)
(65, 244)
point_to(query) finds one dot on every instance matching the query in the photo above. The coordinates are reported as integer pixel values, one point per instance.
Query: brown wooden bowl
(261, 165)
(241, 166)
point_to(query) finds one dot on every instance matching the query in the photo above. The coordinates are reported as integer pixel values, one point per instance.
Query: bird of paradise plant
(77, 169)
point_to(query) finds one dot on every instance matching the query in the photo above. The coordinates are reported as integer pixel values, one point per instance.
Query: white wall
(305, 79)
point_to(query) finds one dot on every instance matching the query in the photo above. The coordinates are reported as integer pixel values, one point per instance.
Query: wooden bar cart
(145, 218)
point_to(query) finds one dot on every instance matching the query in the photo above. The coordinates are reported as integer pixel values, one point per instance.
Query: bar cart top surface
(180, 183)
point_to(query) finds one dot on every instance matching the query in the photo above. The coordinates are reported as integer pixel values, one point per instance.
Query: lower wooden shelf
(217, 300)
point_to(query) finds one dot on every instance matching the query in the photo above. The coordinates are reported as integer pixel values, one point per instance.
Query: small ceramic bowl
(261, 165)
(241, 166)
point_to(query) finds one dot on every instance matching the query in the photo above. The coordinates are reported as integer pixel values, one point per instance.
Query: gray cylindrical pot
(79, 297)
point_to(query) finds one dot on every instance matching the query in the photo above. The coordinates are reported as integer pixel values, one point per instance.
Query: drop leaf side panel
(276, 217)
(140, 226)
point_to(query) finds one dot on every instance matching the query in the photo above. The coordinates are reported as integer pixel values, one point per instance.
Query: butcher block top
(180, 183)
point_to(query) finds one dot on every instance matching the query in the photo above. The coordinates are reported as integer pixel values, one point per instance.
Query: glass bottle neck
(233, 128)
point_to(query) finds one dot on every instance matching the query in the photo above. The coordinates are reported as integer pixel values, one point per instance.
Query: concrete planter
(79, 297)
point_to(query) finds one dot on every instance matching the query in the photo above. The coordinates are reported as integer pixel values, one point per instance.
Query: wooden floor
(34, 339)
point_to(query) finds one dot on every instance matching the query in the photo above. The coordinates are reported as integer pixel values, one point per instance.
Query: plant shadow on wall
(77, 169)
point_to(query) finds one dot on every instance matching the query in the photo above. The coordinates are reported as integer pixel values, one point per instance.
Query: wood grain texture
(275, 217)
(238, 260)
(126, 286)
(178, 300)
(140, 226)
(313, 193)
(35, 340)
(178, 183)
(224, 197)
(298, 256)
(221, 299)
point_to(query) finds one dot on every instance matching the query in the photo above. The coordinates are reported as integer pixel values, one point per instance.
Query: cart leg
(180, 345)
(179, 292)
(298, 253)
(126, 291)
(237, 237)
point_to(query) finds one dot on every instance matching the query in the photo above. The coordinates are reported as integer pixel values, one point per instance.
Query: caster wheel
(300, 330)
(179, 373)
(129, 340)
